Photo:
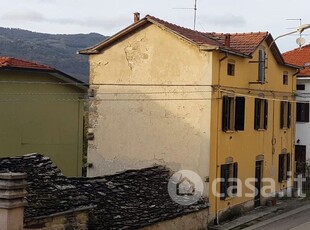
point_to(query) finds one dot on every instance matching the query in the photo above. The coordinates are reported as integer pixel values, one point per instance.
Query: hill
(56, 50)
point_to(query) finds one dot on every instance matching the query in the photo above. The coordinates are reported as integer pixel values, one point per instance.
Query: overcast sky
(108, 17)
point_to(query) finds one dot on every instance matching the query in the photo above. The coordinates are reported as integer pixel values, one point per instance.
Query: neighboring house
(134, 199)
(42, 111)
(301, 57)
(205, 102)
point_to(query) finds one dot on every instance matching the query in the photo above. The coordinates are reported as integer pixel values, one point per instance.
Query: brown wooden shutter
(282, 115)
(266, 114)
(235, 176)
(224, 184)
(225, 113)
(289, 114)
(281, 167)
(257, 114)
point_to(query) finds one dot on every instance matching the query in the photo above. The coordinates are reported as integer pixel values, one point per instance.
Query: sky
(108, 17)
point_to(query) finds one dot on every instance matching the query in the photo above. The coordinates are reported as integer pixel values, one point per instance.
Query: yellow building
(42, 111)
(217, 104)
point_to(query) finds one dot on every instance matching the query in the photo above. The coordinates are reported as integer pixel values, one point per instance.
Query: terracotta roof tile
(299, 56)
(244, 43)
(240, 43)
(9, 62)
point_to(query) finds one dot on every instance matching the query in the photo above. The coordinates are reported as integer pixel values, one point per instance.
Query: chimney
(227, 40)
(12, 200)
(136, 17)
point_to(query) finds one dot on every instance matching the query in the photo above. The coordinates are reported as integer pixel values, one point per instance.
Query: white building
(301, 57)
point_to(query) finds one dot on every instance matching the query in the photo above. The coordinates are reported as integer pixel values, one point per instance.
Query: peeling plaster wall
(138, 126)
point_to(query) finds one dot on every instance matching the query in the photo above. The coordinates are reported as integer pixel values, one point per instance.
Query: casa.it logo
(185, 187)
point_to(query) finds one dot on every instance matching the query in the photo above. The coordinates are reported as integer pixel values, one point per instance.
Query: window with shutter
(229, 176)
(284, 166)
(239, 113)
(260, 114)
(233, 113)
(285, 115)
(261, 66)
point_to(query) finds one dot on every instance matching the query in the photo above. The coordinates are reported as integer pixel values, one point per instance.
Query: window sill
(233, 131)
(260, 130)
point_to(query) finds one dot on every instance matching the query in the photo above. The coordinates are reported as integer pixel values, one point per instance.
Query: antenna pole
(195, 14)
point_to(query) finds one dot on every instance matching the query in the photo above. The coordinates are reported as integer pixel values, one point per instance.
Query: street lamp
(299, 29)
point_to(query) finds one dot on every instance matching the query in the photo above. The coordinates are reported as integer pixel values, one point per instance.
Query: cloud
(227, 20)
(30, 15)
(33, 16)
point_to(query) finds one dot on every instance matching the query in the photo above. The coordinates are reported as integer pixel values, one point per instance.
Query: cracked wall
(138, 126)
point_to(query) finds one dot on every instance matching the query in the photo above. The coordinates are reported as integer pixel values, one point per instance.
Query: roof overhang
(55, 73)
(96, 48)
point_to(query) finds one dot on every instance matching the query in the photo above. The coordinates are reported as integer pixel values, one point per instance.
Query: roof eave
(54, 72)
(96, 48)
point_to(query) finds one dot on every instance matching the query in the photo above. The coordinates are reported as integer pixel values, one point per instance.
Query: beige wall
(183, 134)
(11, 219)
(142, 125)
(41, 118)
(192, 221)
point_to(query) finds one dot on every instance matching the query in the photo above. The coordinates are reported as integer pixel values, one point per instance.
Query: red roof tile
(240, 43)
(8, 62)
(300, 57)
(245, 43)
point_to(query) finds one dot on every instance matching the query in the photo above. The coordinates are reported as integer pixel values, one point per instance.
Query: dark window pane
(300, 87)
(239, 113)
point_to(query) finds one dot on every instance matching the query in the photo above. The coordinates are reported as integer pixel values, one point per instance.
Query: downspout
(293, 127)
(217, 132)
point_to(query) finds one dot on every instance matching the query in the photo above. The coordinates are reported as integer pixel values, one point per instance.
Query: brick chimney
(12, 200)
(227, 40)
(136, 17)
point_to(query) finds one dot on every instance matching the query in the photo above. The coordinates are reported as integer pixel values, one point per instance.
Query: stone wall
(193, 221)
(66, 221)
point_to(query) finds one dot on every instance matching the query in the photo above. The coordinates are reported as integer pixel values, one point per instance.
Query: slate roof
(299, 56)
(128, 200)
(9, 62)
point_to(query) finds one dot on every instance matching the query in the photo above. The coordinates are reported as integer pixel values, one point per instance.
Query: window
(260, 114)
(261, 66)
(229, 175)
(300, 87)
(284, 166)
(285, 115)
(302, 111)
(233, 113)
(285, 78)
(231, 69)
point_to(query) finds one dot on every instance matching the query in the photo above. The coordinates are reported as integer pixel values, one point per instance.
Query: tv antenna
(195, 12)
(300, 41)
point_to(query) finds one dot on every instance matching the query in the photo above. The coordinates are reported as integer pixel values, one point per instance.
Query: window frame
(284, 167)
(302, 112)
(260, 114)
(285, 114)
(301, 87)
(261, 66)
(285, 78)
(233, 113)
(231, 68)
(228, 172)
